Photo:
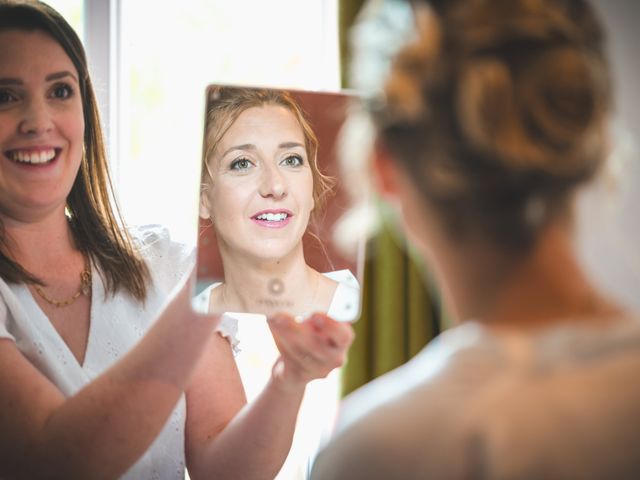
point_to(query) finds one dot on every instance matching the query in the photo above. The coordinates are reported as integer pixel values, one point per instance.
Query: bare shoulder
(363, 451)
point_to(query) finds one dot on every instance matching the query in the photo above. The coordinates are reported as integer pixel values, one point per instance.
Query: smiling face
(41, 125)
(260, 194)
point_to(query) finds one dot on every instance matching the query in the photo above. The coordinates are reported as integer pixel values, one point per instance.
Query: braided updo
(498, 111)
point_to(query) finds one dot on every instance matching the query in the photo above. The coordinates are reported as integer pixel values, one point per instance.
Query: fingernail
(318, 320)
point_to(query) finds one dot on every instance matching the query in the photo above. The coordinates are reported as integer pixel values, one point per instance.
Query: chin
(269, 252)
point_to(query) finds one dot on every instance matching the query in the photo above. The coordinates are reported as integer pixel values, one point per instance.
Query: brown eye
(61, 92)
(6, 97)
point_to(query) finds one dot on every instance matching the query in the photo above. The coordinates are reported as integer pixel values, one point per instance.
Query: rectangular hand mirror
(271, 192)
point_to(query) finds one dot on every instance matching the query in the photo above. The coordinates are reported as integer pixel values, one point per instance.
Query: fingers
(311, 335)
(296, 340)
(338, 334)
(315, 346)
(304, 357)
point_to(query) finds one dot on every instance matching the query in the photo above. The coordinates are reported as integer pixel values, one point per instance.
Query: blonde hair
(498, 111)
(224, 106)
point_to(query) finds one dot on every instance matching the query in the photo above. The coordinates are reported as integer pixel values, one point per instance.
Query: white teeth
(33, 157)
(272, 217)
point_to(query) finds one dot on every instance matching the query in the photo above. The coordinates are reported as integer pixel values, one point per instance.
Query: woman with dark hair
(489, 123)
(101, 376)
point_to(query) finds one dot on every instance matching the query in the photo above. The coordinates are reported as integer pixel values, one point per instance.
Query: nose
(273, 183)
(36, 118)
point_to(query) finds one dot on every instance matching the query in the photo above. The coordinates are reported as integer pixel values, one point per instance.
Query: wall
(609, 216)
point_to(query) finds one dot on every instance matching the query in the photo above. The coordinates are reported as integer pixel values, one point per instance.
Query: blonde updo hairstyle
(498, 111)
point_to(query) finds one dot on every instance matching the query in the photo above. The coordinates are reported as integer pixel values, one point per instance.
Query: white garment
(344, 305)
(256, 355)
(117, 323)
(559, 403)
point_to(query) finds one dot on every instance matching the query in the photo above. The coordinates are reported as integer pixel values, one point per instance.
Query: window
(72, 11)
(168, 55)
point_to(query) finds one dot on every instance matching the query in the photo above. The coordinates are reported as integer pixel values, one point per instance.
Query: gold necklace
(85, 289)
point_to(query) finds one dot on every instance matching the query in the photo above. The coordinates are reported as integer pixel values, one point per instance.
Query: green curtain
(347, 13)
(400, 312)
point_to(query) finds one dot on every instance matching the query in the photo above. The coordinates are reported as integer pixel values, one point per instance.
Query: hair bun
(498, 110)
(536, 117)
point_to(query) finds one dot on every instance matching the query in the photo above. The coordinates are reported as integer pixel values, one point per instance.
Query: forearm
(103, 429)
(255, 444)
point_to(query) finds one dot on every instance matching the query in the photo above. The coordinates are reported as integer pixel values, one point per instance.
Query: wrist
(285, 381)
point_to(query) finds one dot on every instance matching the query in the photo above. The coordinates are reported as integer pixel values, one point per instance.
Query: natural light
(165, 66)
(165, 57)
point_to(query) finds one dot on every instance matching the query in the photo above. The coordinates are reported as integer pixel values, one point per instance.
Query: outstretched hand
(309, 349)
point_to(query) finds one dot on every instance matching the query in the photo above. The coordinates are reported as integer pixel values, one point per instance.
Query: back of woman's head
(498, 112)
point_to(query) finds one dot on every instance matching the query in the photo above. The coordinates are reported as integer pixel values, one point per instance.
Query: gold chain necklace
(85, 289)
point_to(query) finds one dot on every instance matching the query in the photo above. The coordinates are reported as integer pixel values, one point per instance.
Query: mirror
(271, 192)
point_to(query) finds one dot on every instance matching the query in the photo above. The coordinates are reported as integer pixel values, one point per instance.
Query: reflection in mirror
(270, 194)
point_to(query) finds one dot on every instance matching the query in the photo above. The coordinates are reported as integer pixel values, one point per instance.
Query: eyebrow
(10, 81)
(251, 146)
(290, 145)
(59, 75)
(48, 78)
(244, 146)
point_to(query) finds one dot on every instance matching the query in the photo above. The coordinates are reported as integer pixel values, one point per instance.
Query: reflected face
(261, 194)
(41, 124)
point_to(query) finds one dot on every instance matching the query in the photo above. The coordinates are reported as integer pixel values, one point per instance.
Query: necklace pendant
(85, 289)
(85, 283)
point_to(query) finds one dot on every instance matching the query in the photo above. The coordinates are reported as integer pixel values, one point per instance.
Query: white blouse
(117, 323)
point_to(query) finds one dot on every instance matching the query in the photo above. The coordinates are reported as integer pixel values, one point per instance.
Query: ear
(385, 172)
(204, 210)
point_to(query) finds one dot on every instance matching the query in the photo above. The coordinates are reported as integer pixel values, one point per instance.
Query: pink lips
(279, 218)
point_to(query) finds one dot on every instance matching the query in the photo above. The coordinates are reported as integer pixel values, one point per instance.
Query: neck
(267, 286)
(39, 244)
(544, 287)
